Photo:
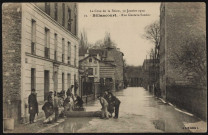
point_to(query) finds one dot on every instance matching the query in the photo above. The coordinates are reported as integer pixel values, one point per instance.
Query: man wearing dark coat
(69, 92)
(78, 102)
(48, 107)
(110, 104)
(33, 105)
(116, 103)
(105, 95)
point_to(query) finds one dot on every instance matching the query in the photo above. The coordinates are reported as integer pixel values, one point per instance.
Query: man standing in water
(116, 103)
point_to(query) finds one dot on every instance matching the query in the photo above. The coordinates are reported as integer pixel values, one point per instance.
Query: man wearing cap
(33, 105)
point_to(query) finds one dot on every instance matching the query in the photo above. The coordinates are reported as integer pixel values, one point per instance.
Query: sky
(125, 31)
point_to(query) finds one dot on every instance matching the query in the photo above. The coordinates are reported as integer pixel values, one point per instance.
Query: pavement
(36, 127)
(140, 112)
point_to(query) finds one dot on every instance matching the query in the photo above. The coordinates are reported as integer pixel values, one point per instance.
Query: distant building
(40, 51)
(148, 74)
(134, 76)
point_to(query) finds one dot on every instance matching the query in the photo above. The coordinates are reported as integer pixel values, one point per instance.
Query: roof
(108, 63)
(97, 60)
(88, 57)
(101, 52)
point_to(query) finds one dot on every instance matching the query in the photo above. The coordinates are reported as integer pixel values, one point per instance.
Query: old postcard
(104, 67)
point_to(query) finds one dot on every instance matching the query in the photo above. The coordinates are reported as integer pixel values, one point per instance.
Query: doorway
(46, 83)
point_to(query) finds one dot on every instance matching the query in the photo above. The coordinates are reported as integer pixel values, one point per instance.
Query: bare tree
(124, 62)
(106, 42)
(152, 33)
(98, 44)
(84, 45)
(190, 59)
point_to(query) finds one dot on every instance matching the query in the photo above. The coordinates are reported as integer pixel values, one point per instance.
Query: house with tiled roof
(97, 75)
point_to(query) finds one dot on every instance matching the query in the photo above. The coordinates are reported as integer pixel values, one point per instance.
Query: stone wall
(190, 98)
(183, 21)
(11, 53)
(179, 22)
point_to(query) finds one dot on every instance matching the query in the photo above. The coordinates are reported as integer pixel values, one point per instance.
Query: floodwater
(140, 112)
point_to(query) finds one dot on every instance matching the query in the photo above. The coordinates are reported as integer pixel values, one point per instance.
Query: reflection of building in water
(40, 51)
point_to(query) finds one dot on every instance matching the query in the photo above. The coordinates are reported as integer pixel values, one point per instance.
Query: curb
(177, 109)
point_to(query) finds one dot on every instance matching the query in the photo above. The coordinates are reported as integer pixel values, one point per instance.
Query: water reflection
(139, 111)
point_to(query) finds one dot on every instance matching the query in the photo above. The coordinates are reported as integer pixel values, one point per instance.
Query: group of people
(110, 104)
(53, 102)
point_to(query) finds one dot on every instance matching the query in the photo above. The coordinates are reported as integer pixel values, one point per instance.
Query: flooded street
(139, 112)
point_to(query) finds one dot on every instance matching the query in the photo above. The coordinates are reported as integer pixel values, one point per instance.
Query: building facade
(112, 56)
(177, 21)
(97, 72)
(183, 24)
(92, 66)
(115, 56)
(40, 46)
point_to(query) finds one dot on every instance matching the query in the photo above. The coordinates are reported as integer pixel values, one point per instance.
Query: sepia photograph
(104, 67)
